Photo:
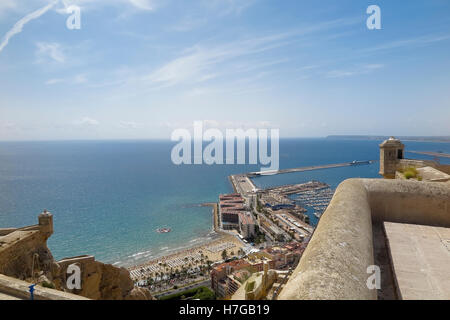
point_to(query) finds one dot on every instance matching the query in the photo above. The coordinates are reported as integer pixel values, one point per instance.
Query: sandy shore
(211, 251)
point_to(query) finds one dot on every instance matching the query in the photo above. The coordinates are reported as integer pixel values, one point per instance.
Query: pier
(244, 185)
(310, 168)
(298, 188)
(215, 211)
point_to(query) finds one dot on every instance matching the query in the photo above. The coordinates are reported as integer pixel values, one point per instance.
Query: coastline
(210, 249)
(215, 212)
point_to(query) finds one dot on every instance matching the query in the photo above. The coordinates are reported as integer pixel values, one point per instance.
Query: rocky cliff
(24, 255)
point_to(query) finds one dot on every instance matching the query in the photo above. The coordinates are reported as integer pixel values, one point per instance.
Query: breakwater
(310, 168)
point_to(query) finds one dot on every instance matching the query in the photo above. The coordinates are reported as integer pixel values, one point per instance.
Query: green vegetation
(259, 237)
(201, 293)
(411, 173)
(224, 254)
(258, 206)
(46, 284)
(250, 286)
(244, 274)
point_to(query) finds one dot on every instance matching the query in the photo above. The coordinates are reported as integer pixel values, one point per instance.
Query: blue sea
(109, 197)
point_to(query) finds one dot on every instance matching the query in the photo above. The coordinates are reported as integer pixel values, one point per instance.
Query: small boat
(163, 230)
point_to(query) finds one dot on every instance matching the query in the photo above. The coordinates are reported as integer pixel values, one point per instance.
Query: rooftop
(246, 218)
(234, 264)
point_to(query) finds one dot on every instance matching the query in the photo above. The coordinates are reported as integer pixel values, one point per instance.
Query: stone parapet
(334, 265)
(20, 289)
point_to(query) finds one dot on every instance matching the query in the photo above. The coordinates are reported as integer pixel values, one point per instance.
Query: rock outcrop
(24, 255)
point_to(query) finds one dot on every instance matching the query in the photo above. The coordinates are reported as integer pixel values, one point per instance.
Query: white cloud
(77, 79)
(86, 121)
(225, 124)
(226, 7)
(196, 65)
(188, 23)
(365, 69)
(205, 62)
(140, 4)
(129, 125)
(8, 125)
(196, 16)
(6, 5)
(18, 27)
(143, 4)
(211, 123)
(50, 51)
(54, 81)
(419, 41)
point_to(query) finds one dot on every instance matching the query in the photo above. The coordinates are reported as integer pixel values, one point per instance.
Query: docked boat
(355, 162)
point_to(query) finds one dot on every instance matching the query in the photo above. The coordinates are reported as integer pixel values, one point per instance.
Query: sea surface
(109, 197)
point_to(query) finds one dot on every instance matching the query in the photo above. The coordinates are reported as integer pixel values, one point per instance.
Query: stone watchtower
(265, 278)
(391, 151)
(46, 224)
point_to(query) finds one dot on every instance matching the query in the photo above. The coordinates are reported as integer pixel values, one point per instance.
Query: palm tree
(224, 254)
(209, 262)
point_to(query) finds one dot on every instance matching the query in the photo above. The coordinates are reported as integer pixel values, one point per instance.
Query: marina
(316, 199)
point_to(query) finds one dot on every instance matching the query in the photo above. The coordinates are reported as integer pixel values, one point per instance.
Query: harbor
(318, 200)
(281, 213)
(281, 217)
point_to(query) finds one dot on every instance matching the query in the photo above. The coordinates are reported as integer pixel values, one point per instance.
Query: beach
(192, 257)
(195, 256)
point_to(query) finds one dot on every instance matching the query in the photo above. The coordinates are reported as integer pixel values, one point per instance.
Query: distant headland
(405, 138)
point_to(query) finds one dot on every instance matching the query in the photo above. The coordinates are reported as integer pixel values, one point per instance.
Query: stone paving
(420, 259)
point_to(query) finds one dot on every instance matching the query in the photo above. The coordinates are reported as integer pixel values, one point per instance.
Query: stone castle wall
(334, 265)
(24, 255)
(18, 250)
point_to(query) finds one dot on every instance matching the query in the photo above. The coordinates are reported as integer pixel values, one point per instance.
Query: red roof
(246, 218)
(236, 264)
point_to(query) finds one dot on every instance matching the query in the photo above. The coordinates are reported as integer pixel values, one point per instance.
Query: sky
(139, 69)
